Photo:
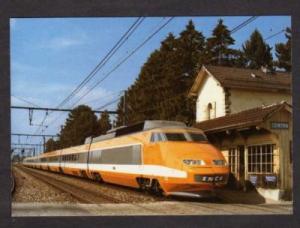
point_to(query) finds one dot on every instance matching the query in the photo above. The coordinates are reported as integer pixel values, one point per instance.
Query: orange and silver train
(164, 157)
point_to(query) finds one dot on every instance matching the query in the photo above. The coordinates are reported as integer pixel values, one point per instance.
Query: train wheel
(156, 188)
(97, 177)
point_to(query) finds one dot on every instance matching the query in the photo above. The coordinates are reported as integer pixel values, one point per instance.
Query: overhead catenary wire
(26, 101)
(150, 31)
(276, 34)
(112, 94)
(116, 47)
(234, 30)
(124, 60)
(237, 28)
(108, 103)
(104, 60)
(243, 24)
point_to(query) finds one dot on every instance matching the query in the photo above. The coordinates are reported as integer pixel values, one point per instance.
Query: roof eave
(285, 90)
(234, 126)
(198, 82)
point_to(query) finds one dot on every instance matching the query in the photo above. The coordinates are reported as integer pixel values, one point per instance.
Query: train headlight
(220, 162)
(193, 162)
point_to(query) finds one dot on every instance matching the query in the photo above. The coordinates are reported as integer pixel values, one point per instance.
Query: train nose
(211, 178)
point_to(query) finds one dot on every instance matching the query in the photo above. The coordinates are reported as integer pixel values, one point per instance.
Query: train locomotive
(164, 157)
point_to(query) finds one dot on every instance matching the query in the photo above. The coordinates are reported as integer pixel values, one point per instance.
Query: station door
(236, 160)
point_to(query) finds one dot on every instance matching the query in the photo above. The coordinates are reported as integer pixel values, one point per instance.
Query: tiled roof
(232, 77)
(246, 118)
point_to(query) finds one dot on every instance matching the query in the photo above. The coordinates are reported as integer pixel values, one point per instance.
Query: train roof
(125, 130)
(140, 126)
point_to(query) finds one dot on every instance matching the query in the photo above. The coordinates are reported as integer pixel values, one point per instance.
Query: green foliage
(161, 88)
(160, 91)
(284, 51)
(217, 47)
(80, 124)
(257, 52)
(104, 123)
(52, 145)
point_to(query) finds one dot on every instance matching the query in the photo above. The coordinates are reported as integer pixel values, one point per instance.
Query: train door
(61, 162)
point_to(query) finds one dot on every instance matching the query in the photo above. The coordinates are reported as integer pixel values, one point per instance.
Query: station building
(247, 115)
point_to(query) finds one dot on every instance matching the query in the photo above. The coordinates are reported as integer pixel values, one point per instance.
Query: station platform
(155, 208)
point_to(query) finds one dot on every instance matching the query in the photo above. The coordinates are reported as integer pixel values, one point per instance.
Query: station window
(209, 111)
(261, 159)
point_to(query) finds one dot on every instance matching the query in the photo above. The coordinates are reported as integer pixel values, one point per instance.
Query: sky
(51, 56)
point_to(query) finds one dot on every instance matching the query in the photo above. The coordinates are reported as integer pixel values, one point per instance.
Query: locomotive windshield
(196, 137)
(175, 137)
(179, 137)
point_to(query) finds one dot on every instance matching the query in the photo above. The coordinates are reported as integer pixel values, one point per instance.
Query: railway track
(83, 195)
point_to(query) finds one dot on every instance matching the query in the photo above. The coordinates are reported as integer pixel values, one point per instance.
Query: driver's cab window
(156, 137)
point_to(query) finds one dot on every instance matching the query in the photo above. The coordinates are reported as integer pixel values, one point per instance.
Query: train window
(197, 137)
(156, 137)
(53, 159)
(175, 137)
(152, 137)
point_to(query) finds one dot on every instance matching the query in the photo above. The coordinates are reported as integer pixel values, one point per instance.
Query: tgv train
(164, 157)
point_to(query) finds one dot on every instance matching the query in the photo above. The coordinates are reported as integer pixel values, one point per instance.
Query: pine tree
(284, 51)
(80, 124)
(160, 91)
(217, 46)
(190, 47)
(257, 52)
(104, 123)
(143, 97)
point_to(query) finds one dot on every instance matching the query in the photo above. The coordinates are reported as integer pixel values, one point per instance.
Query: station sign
(279, 125)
